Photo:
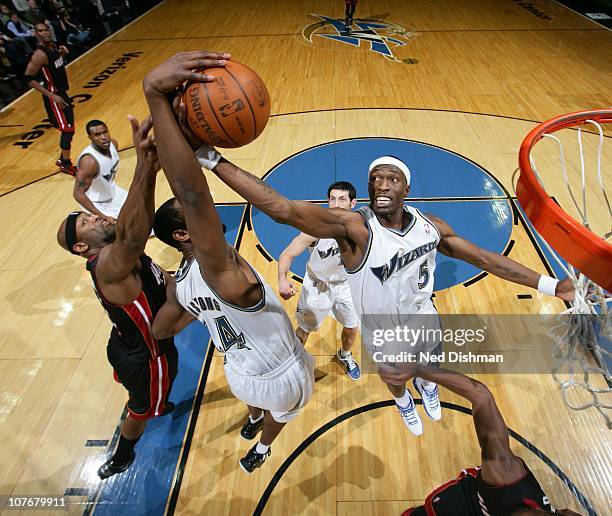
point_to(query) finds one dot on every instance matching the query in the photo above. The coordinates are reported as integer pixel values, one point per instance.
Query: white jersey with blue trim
(102, 187)
(324, 263)
(396, 274)
(255, 340)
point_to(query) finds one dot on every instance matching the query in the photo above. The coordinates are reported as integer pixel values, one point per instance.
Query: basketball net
(584, 331)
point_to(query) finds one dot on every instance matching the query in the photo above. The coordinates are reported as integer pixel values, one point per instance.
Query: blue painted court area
(436, 172)
(145, 487)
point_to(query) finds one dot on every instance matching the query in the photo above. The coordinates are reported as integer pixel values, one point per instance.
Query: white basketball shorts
(318, 299)
(283, 392)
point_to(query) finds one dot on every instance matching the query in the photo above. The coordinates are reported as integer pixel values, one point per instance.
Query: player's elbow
(160, 332)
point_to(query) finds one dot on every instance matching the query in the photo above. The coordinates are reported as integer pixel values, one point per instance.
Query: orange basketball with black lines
(231, 111)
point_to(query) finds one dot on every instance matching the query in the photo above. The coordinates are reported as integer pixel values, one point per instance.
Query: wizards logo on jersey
(400, 260)
(332, 251)
(379, 35)
(111, 175)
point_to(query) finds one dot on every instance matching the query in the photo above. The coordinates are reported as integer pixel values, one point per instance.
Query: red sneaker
(66, 168)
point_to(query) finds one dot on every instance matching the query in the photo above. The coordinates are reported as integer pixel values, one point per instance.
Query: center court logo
(381, 36)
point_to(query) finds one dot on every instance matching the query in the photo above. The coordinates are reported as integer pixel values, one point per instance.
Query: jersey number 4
(228, 335)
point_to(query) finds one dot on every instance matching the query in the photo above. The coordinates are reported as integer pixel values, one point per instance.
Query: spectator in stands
(5, 14)
(68, 30)
(17, 50)
(10, 85)
(21, 5)
(34, 14)
(18, 27)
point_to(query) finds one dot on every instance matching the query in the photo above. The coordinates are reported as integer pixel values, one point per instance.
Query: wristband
(547, 285)
(207, 156)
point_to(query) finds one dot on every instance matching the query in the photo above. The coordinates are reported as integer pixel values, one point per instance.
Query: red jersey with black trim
(54, 75)
(469, 494)
(132, 322)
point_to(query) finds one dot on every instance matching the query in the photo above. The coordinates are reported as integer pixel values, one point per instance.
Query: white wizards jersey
(255, 340)
(324, 263)
(102, 187)
(396, 274)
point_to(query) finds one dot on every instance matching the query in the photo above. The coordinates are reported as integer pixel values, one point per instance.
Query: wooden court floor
(487, 71)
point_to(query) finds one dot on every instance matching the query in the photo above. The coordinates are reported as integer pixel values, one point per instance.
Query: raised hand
(144, 143)
(184, 66)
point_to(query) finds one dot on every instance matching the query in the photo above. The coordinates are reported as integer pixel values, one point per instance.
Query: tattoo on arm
(511, 273)
(266, 187)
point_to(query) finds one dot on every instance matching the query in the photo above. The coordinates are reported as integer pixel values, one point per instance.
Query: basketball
(231, 111)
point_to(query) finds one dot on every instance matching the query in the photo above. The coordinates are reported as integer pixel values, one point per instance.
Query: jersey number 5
(423, 275)
(228, 335)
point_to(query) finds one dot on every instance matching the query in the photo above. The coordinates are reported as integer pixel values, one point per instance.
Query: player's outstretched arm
(456, 247)
(117, 261)
(179, 162)
(306, 216)
(297, 246)
(499, 465)
(171, 317)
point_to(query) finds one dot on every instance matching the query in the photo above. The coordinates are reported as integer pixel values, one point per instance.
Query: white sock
(262, 449)
(344, 354)
(255, 420)
(405, 400)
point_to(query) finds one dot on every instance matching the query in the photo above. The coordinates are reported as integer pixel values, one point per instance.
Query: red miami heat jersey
(469, 494)
(132, 322)
(54, 75)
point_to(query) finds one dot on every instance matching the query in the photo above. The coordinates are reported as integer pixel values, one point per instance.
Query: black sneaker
(168, 409)
(109, 468)
(249, 430)
(253, 460)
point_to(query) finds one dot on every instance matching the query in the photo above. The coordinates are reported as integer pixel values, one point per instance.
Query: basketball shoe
(351, 367)
(249, 429)
(431, 400)
(110, 468)
(410, 416)
(253, 460)
(66, 167)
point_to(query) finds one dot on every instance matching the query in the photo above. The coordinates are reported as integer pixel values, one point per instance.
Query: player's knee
(350, 332)
(481, 393)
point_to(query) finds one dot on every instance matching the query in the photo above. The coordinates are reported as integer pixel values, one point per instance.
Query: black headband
(71, 237)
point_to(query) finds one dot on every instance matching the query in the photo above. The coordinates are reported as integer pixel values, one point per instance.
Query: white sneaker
(411, 417)
(431, 400)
